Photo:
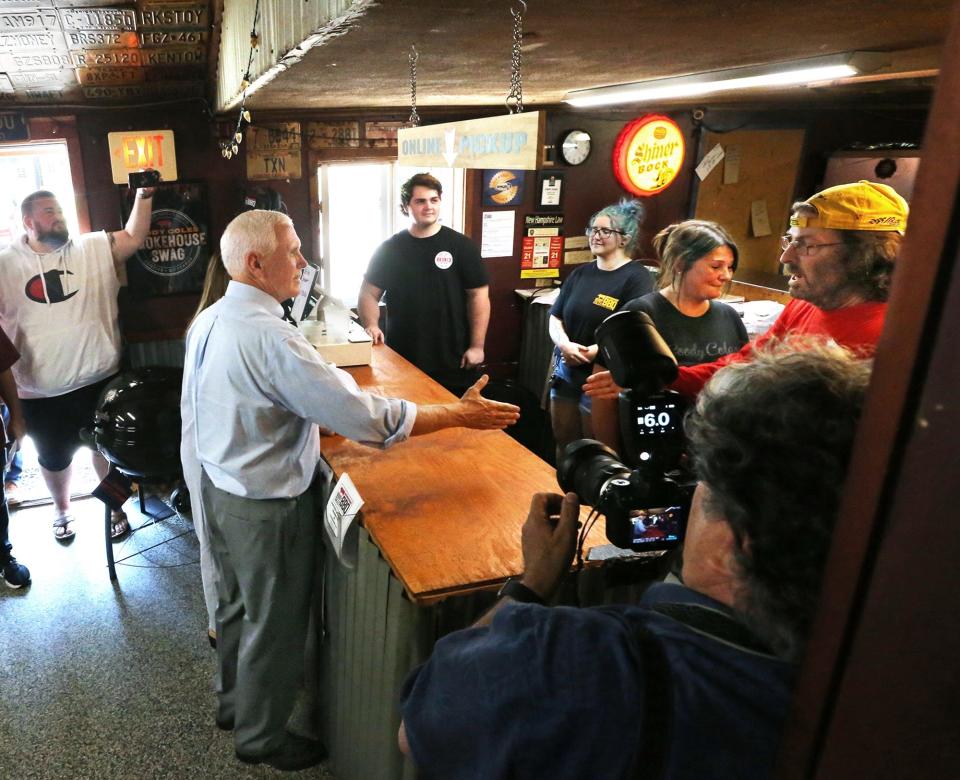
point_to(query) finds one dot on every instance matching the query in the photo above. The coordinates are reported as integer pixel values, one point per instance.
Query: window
(360, 209)
(26, 168)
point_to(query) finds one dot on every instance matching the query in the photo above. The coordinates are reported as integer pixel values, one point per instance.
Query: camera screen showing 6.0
(658, 419)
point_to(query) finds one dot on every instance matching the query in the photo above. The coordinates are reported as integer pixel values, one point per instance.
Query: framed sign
(550, 190)
(503, 188)
(174, 257)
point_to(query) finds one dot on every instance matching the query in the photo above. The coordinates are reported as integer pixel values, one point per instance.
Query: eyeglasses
(603, 232)
(801, 248)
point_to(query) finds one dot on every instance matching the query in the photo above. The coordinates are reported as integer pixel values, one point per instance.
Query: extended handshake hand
(483, 414)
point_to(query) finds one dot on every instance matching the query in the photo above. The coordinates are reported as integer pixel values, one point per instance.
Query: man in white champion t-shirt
(58, 305)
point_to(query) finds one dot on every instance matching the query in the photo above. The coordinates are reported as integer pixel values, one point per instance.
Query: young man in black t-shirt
(437, 291)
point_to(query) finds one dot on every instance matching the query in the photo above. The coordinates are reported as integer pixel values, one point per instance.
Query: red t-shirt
(856, 327)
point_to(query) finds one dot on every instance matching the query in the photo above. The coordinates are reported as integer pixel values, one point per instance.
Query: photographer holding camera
(695, 681)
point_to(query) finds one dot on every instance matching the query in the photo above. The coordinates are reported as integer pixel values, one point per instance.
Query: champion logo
(55, 294)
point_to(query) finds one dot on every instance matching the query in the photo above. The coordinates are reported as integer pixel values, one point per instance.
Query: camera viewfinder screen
(660, 418)
(657, 528)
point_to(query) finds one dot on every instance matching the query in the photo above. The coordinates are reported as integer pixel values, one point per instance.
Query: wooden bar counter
(446, 509)
(441, 522)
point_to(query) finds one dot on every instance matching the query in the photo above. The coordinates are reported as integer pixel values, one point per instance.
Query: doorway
(359, 204)
(26, 168)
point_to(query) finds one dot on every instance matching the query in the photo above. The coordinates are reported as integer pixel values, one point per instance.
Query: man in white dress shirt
(254, 393)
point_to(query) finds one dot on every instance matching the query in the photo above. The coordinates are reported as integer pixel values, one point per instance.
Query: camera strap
(658, 698)
(655, 736)
(715, 623)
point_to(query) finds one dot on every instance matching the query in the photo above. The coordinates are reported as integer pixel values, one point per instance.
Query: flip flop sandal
(62, 528)
(119, 527)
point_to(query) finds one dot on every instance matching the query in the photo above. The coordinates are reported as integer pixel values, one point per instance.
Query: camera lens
(586, 466)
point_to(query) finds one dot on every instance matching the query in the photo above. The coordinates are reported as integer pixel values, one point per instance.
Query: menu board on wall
(175, 255)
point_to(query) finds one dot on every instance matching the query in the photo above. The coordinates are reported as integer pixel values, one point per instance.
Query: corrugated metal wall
(536, 349)
(287, 30)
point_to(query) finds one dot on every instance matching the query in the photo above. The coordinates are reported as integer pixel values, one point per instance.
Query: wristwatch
(519, 592)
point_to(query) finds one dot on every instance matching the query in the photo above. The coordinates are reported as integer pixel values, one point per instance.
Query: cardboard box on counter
(343, 350)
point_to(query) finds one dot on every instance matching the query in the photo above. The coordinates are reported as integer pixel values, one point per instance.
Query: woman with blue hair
(589, 295)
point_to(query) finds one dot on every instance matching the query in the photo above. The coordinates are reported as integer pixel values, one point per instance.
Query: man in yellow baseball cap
(840, 253)
(842, 245)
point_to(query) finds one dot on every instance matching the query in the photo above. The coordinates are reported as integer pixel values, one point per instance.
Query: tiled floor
(104, 680)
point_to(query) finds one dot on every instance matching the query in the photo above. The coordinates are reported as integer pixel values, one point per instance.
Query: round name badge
(443, 260)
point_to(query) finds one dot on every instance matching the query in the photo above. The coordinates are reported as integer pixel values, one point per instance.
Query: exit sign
(142, 150)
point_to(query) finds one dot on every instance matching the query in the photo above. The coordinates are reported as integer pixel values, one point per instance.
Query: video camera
(645, 506)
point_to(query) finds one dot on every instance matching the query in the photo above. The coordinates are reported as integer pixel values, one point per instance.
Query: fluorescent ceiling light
(776, 75)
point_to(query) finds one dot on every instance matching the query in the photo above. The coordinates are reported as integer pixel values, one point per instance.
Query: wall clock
(574, 146)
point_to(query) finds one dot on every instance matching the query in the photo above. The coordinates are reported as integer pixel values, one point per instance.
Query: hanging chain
(514, 101)
(413, 57)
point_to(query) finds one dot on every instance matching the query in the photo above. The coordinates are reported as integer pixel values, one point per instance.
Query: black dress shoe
(224, 724)
(295, 753)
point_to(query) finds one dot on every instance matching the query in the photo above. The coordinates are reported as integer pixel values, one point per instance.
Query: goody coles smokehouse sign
(648, 155)
(174, 257)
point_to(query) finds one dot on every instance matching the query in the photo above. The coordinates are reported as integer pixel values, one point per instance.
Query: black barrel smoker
(137, 429)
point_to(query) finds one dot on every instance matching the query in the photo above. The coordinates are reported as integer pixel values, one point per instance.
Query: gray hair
(252, 231)
(771, 439)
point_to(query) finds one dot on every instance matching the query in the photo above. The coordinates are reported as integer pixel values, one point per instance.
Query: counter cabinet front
(441, 531)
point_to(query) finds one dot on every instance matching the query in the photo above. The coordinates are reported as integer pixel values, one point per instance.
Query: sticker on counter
(339, 520)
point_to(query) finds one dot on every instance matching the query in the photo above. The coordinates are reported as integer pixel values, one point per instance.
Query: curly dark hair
(417, 180)
(771, 440)
(870, 260)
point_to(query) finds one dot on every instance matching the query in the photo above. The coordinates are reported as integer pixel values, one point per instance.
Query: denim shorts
(567, 383)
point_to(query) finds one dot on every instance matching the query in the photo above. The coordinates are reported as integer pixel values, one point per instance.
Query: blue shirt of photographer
(558, 693)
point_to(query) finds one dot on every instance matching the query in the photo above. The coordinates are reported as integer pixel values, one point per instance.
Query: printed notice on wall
(497, 236)
(540, 257)
(759, 218)
(708, 163)
(731, 165)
